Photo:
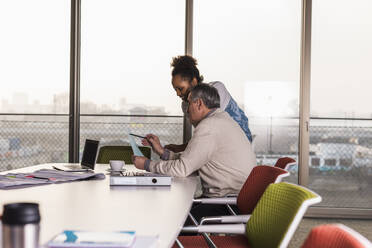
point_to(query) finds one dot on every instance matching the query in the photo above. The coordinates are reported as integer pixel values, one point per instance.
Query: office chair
(272, 223)
(285, 163)
(335, 236)
(107, 153)
(253, 188)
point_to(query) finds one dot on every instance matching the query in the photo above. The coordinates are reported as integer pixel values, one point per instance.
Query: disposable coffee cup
(117, 165)
(21, 225)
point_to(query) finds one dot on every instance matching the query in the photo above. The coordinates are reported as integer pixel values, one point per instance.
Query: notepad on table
(68, 238)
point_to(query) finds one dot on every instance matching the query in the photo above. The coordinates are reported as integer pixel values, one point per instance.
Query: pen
(139, 136)
(56, 168)
(78, 170)
(44, 178)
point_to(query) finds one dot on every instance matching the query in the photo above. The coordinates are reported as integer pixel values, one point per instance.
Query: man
(218, 149)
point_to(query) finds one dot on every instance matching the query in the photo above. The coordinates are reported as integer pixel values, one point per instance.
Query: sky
(248, 45)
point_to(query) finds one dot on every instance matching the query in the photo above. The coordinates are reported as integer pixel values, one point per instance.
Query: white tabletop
(95, 206)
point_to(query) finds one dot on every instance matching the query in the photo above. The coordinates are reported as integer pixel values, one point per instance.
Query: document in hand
(136, 150)
(70, 238)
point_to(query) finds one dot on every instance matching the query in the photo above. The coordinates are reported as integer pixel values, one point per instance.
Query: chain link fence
(30, 140)
(340, 159)
(340, 151)
(341, 162)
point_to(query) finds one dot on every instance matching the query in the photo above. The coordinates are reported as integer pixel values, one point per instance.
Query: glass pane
(34, 61)
(126, 56)
(253, 47)
(340, 131)
(125, 69)
(34, 75)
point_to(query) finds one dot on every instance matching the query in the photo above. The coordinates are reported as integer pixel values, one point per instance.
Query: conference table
(93, 205)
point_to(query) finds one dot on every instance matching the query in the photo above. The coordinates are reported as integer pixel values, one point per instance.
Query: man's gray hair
(208, 94)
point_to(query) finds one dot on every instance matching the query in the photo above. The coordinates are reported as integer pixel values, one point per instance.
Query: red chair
(335, 236)
(285, 163)
(253, 188)
(240, 241)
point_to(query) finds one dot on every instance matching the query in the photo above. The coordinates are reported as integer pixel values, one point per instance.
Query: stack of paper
(43, 176)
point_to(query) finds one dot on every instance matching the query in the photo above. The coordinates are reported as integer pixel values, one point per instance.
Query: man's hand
(153, 141)
(139, 162)
(176, 148)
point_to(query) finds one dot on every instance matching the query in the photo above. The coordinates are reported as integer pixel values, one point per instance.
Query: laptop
(88, 160)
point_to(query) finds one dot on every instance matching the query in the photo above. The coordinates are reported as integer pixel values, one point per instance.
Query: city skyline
(20, 102)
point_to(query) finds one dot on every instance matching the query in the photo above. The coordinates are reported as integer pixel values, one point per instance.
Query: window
(126, 56)
(127, 48)
(34, 62)
(253, 47)
(340, 100)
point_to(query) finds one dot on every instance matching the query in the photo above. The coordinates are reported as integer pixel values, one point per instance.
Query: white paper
(136, 150)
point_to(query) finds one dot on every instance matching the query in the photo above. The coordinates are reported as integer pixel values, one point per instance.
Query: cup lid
(21, 213)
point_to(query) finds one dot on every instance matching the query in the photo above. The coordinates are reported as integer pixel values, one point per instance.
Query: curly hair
(185, 66)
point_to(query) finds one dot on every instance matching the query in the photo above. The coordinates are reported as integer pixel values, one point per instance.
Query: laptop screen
(90, 153)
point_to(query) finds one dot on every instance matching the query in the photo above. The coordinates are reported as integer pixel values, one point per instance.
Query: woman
(185, 75)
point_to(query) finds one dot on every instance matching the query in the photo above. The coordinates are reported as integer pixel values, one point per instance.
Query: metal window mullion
(303, 173)
(187, 129)
(189, 26)
(74, 114)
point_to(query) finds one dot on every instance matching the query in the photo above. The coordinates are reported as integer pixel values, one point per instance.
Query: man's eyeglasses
(187, 104)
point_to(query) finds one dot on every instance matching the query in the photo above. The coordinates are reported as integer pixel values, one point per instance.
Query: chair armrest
(280, 177)
(231, 195)
(226, 219)
(222, 200)
(226, 228)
